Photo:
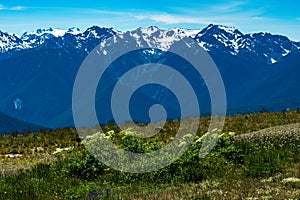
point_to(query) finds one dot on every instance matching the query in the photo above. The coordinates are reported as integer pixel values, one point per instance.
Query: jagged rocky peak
(97, 32)
(219, 29)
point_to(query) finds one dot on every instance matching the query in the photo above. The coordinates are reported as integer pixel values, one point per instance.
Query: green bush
(82, 165)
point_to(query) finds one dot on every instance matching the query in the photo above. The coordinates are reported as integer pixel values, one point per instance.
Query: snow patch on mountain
(191, 33)
(74, 31)
(18, 104)
(273, 61)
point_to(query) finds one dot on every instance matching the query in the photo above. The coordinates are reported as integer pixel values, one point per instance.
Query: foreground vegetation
(263, 164)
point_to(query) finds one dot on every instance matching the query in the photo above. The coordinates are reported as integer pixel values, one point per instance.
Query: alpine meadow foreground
(257, 157)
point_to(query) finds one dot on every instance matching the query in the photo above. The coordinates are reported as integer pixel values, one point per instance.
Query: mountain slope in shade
(280, 85)
(42, 78)
(9, 125)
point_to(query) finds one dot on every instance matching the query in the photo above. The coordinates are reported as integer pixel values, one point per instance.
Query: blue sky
(275, 16)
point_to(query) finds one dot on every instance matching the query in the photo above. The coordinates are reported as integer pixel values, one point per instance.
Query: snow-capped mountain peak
(35, 38)
(217, 29)
(49, 33)
(156, 38)
(213, 38)
(191, 32)
(148, 31)
(97, 32)
(231, 29)
(223, 39)
(74, 31)
(9, 41)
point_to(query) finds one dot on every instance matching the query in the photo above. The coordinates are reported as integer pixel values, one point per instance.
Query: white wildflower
(290, 180)
(59, 150)
(202, 137)
(111, 133)
(215, 130)
(231, 133)
(128, 132)
(188, 137)
(182, 144)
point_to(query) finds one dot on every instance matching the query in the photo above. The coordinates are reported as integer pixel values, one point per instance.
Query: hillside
(9, 125)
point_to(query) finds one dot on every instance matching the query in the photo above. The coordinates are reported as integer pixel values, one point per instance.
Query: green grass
(237, 168)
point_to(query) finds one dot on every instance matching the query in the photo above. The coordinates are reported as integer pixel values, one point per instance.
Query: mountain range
(38, 69)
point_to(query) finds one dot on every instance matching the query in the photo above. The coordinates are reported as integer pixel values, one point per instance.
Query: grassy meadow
(257, 157)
